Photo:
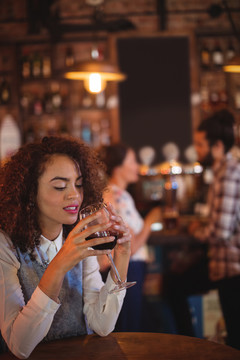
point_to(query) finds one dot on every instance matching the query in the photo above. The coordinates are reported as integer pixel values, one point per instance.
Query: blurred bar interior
(169, 56)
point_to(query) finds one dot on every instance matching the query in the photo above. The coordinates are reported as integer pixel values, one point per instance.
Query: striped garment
(223, 229)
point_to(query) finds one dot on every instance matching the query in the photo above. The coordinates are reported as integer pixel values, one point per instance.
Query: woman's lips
(72, 209)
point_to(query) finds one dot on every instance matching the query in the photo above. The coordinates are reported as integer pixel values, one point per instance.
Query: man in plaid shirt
(213, 139)
(220, 269)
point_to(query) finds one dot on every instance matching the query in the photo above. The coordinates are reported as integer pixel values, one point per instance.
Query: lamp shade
(233, 66)
(95, 74)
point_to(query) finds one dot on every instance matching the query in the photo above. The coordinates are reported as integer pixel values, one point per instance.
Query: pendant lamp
(95, 74)
(233, 66)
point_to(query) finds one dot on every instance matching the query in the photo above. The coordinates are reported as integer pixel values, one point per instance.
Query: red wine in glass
(105, 246)
(102, 209)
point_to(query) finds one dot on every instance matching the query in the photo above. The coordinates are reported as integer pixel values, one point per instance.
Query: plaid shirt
(223, 229)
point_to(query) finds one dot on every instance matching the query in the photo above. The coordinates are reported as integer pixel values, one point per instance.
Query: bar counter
(131, 346)
(176, 236)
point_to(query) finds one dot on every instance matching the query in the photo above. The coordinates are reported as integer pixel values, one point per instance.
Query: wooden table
(132, 346)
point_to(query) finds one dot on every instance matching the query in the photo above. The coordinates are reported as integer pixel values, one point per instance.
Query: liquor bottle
(46, 66)
(36, 65)
(205, 57)
(86, 133)
(37, 106)
(25, 102)
(76, 126)
(87, 100)
(56, 96)
(95, 128)
(5, 92)
(48, 106)
(214, 98)
(217, 56)
(26, 65)
(205, 99)
(105, 135)
(69, 57)
(230, 52)
(100, 99)
(97, 52)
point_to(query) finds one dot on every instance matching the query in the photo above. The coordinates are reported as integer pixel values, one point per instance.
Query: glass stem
(115, 271)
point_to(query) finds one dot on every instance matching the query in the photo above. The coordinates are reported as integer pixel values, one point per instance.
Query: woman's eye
(79, 185)
(60, 188)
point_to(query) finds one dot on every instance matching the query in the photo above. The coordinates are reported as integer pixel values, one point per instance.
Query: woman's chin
(71, 221)
(134, 180)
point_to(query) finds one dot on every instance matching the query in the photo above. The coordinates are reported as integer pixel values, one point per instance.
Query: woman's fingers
(125, 238)
(83, 222)
(99, 228)
(114, 217)
(111, 209)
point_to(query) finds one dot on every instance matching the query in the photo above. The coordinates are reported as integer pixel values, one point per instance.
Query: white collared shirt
(50, 247)
(20, 322)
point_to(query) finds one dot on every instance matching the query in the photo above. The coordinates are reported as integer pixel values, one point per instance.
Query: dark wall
(155, 98)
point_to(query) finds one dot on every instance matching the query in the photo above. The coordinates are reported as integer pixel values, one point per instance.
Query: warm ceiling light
(95, 74)
(233, 65)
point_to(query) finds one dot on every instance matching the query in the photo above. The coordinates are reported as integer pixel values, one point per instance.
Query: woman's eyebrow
(59, 178)
(64, 178)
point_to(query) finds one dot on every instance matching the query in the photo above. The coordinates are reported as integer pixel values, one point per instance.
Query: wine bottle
(95, 128)
(105, 136)
(25, 101)
(217, 56)
(26, 65)
(48, 106)
(36, 65)
(37, 106)
(205, 57)
(56, 96)
(230, 52)
(214, 98)
(46, 66)
(86, 133)
(69, 58)
(5, 92)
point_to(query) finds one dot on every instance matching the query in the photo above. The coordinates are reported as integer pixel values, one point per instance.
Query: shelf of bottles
(7, 88)
(9, 109)
(213, 54)
(52, 105)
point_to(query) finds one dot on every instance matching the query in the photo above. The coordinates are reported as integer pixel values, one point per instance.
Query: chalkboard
(155, 99)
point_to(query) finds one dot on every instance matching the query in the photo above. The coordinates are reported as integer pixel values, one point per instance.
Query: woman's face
(129, 169)
(60, 193)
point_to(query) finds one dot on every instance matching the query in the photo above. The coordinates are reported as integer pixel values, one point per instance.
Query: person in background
(220, 269)
(122, 170)
(50, 283)
(213, 141)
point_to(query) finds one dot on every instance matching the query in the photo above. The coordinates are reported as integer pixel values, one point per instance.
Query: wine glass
(103, 217)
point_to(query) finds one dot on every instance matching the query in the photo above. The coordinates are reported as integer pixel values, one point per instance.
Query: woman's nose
(74, 194)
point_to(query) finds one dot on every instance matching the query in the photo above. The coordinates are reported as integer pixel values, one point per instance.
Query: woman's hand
(76, 248)
(124, 234)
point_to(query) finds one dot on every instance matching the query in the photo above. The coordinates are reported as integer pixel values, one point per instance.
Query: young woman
(50, 283)
(122, 170)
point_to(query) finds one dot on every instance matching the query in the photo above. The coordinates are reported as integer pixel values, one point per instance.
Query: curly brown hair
(19, 186)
